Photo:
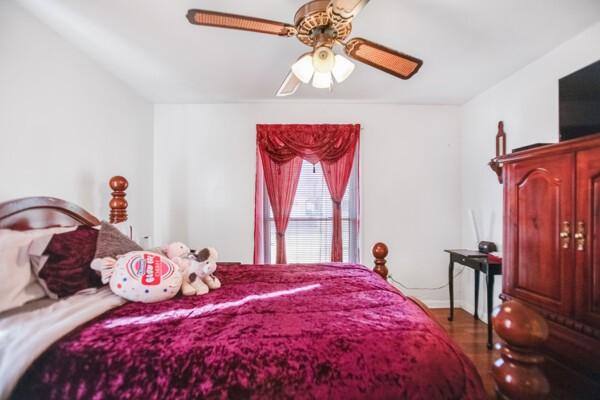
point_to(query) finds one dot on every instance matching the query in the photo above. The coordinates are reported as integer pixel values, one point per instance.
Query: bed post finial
(380, 252)
(517, 372)
(118, 204)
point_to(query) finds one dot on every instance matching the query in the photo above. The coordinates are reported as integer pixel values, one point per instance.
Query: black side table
(479, 262)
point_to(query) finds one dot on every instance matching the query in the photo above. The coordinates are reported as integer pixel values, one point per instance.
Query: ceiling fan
(320, 24)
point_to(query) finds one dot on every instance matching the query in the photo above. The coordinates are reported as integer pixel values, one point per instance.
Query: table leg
(490, 305)
(451, 286)
(477, 273)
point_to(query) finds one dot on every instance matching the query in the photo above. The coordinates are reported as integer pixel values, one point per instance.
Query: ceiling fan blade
(391, 61)
(241, 22)
(289, 86)
(347, 9)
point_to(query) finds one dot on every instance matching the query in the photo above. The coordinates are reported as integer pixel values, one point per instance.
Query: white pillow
(18, 284)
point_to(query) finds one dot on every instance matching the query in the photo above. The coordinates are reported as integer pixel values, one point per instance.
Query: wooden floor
(471, 336)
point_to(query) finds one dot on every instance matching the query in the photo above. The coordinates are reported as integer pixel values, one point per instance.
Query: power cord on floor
(391, 278)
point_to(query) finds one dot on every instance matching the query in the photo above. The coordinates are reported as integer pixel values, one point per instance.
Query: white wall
(527, 102)
(205, 171)
(66, 125)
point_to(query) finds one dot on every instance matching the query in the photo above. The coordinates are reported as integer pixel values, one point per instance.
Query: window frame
(353, 219)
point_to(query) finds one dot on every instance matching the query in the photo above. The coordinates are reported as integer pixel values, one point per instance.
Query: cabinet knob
(565, 235)
(580, 236)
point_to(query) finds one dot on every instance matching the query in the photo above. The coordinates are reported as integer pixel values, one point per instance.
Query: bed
(320, 331)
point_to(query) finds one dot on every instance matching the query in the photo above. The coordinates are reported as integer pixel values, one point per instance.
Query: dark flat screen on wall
(579, 106)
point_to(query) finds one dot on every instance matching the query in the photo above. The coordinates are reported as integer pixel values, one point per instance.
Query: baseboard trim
(468, 308)
(441, 303)
(457, 304)
(471, 310)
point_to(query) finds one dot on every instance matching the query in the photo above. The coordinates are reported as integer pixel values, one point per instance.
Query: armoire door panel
(540, 208)
(587, 254)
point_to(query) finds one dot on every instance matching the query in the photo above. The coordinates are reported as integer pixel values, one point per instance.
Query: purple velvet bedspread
(277, 332)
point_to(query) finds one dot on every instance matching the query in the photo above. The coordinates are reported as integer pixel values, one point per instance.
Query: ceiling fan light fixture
(322, 80)
(303, 68)
(343, 68)
(320, 25)
(323, 59)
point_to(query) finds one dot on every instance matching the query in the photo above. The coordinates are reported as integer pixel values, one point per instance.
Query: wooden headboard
(48, 212)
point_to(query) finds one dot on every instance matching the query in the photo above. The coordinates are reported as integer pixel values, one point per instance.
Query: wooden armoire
(551, 251)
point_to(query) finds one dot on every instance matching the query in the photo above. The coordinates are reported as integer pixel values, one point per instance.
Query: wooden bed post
(118, 204)
(517, 372)
(380, 252)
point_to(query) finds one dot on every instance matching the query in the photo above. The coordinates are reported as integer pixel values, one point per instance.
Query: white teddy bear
(208, 259)
(197, 268)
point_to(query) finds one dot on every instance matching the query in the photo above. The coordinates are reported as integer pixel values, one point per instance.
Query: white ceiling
(466, 45)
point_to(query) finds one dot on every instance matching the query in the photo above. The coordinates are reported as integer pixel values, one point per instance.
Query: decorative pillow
(145, 277)
(112, 243)
(18, 284)
(62, 262)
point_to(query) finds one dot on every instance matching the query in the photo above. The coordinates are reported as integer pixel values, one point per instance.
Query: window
(308, 236)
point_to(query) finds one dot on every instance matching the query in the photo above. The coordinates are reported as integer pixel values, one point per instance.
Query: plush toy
(208, 258)
(140, 276)
(193, 271)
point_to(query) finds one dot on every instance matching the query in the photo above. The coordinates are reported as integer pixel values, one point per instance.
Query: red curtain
(282, 149)
(337, 175)
(281, 181)
(259, 198)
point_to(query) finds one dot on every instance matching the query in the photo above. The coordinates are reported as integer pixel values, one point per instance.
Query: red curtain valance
(281, 149)
(313, 143)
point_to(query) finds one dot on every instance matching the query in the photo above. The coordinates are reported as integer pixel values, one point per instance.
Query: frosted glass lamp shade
(319, 67)
(323, 59)
(342, 68)
(303, 68)
(322, 80)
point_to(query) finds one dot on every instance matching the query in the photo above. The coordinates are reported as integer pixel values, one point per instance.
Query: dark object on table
(480, 263)
(579, 102)
(487, 247)
(530, 146)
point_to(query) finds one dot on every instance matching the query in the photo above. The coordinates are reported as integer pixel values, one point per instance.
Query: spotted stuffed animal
(208, 259)
(190, 268)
